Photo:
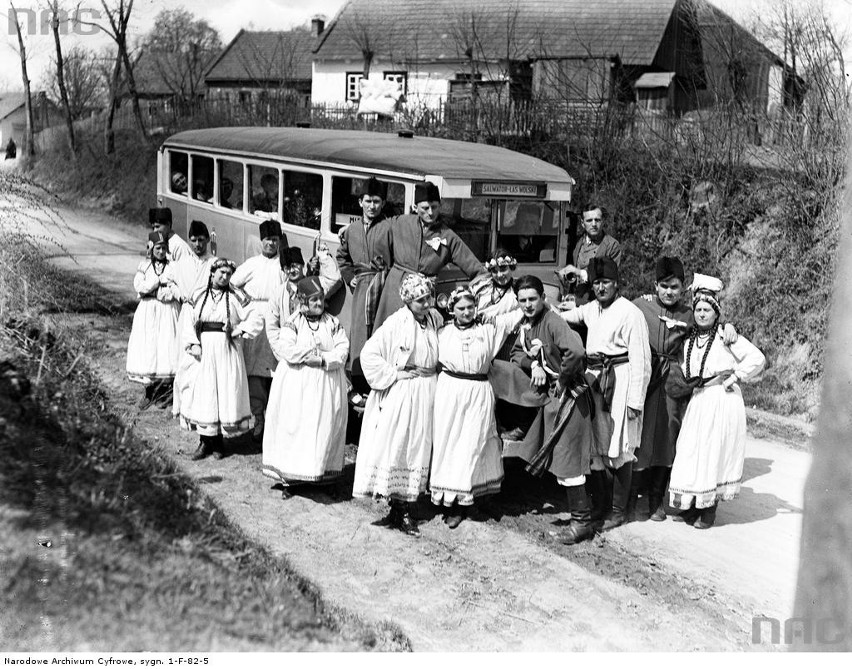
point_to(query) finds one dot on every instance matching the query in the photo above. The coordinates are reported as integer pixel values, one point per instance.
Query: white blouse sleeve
(750, 359)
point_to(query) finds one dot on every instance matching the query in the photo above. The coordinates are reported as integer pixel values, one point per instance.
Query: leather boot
(407, 523)
(637, 487)
(658, 478)
(621, 486)
(598, 489)
(393, 519)
(689, 516)
(455, 516)
(581, 527)
(706, 518)
(203, 449)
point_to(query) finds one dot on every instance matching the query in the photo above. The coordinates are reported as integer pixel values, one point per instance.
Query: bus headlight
(442, 300)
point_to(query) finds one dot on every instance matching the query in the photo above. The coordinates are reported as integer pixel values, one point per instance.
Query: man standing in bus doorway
(363, 259)
(420, 243)
(191, 273)
(260, 277)
(618, 362)
(595, 243)
(160, 219)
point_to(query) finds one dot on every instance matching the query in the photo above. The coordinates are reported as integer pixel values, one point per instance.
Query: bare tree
(82, 75)
(118, 21)
(367, 34)
(22, 51)
(58, 15)
(179, 48)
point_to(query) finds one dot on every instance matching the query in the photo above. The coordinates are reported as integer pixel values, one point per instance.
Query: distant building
(668, 55)
(257, 66)
(13, 116)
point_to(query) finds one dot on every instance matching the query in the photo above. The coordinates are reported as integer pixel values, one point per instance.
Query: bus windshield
(527, 229)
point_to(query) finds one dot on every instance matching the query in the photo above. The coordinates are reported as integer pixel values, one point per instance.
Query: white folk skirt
(467, 457)
(708, 464)
(305, 434)
(152, 350)
(216, 399)
(395, 446)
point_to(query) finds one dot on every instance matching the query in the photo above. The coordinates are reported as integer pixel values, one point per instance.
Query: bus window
(263, 187)
(178, 169)
(202, 178)
(230, 184)
(470, 219)
(303, 199)
(344, 201)
(529, 231)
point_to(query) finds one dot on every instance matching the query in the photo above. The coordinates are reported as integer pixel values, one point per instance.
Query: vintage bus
(232, 179)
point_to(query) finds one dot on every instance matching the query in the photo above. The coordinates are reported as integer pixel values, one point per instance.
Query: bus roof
(417, 156)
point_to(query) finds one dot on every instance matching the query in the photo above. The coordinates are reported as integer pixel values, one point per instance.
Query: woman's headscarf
(706, 288)
(155, 238)
(413, 287)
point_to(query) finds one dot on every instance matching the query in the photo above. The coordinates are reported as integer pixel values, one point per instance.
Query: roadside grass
(104, 544)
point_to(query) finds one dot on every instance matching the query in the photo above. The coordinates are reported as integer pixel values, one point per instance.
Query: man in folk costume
(420, 243)
(618, 362)
(669, 319)
(260, 277)
(160, 219)
(363, 258)
(190, 277)
(595, 243)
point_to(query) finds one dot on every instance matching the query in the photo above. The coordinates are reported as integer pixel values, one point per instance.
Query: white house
(668, 55)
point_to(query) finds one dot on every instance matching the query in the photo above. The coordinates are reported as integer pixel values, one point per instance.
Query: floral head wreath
(222, 262)
(459, 293)
(501, 261)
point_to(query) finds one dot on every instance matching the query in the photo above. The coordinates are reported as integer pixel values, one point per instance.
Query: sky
(228, 16)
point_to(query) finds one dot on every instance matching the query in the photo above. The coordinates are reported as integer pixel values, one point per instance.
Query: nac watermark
(33, 22)
(806, 631)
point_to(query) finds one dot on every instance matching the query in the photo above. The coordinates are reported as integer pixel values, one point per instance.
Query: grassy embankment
(104, 544)
(770, 233)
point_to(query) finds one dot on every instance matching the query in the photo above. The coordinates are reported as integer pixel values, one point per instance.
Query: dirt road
(503, 583)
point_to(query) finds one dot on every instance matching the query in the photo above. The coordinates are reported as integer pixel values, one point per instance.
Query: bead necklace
(693, 340)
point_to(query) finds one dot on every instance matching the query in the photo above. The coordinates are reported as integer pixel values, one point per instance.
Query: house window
(400, 78)
(245, 97)
(353, 86)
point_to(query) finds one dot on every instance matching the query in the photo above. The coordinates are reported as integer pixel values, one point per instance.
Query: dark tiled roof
(264, 56)
(720, 31)
(9, 102)
(428, 30)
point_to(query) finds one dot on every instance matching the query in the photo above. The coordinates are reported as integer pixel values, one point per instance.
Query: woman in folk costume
(494, 292)
(191, 273)
(396, 434)
(152, 351)
(305, 435)
(708, 464)
(669, 319)
(467, 462)
(217, 402)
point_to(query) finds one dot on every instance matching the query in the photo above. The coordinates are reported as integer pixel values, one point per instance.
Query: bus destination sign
(503, 189)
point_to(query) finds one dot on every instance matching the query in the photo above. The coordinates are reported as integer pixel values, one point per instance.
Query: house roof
(149, 78)
(718, 30)
(376, 151)
(633, 29)
(9, 103)
(265, 56)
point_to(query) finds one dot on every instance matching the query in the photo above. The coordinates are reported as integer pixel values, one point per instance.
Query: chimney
(317, 25)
